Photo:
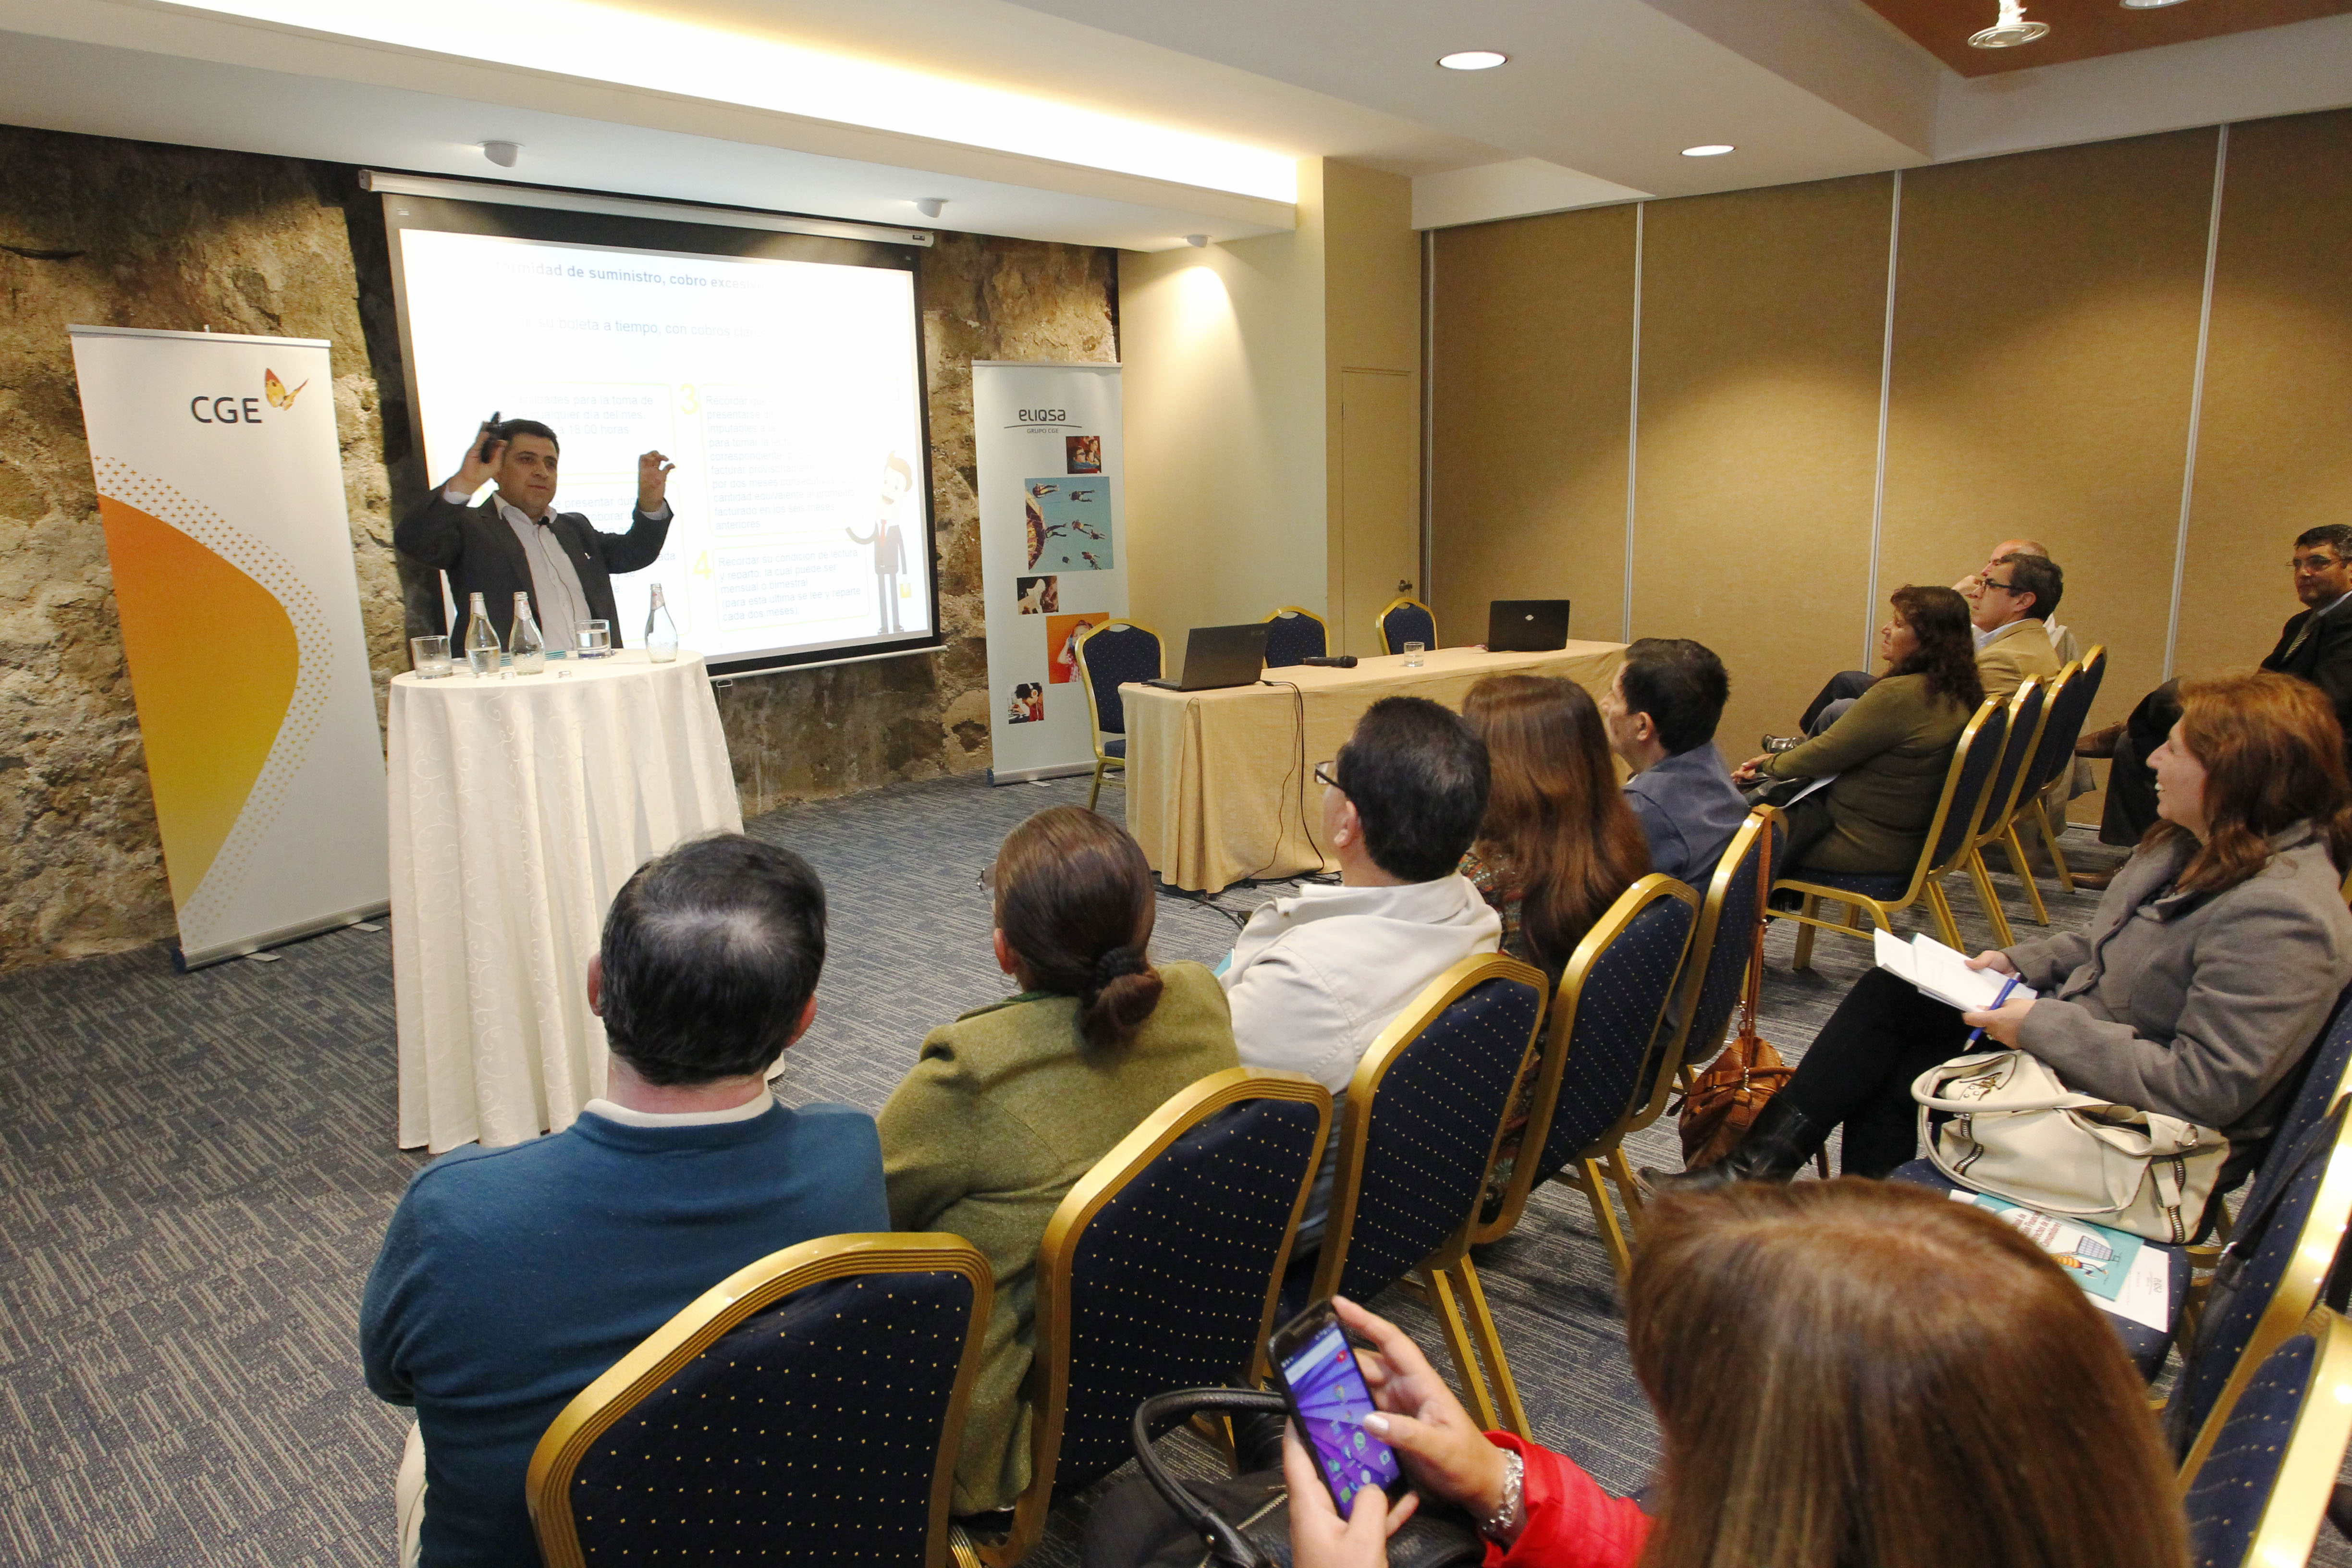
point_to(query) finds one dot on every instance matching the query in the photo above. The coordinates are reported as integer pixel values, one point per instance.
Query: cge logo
(233, 410)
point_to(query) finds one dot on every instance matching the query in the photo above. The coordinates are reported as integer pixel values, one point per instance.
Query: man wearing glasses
(2014, 595)
(2315, 646)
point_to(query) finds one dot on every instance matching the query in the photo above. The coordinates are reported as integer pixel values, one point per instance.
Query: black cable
(1297, 768)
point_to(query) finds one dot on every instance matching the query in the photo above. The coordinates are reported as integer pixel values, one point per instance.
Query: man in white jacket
(1315, 979)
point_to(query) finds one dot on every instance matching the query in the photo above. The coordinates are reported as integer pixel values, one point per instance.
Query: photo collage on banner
(1053, 565)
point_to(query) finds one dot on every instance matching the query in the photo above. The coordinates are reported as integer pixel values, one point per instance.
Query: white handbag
(2020, 1133)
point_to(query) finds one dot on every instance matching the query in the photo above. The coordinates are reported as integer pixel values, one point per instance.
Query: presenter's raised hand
(477, 469)
(653, 480)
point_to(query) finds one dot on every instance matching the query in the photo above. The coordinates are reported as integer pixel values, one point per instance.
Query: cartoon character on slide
(890, 544)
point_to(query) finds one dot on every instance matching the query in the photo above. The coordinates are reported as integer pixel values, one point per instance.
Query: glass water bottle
(481, 640)
(525, 647)
(661, 632)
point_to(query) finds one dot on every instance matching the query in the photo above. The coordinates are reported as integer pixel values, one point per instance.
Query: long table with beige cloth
(520, 805)
(1216, 791)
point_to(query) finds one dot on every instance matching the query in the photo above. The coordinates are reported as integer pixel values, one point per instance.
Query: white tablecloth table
(520, 805)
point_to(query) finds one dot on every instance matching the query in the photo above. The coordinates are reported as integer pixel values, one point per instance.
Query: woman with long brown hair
(1889, 751)
(1011, 1104)
(2213, 959)
(1557, 844)
(1846, 1374)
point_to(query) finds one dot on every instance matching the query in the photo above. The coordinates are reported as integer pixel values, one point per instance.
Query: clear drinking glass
(430, 657)
(1413, 652)
(592, 640)
(526, 650)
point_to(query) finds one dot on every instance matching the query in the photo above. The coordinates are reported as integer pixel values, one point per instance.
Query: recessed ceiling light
(1473, 60)
(1710, 150)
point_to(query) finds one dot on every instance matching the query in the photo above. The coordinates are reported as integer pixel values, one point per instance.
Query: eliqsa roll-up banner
(1053, 554)
(220, 484)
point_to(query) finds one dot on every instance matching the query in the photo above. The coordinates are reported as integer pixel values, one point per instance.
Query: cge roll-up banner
(220, 484)
(1053, 551)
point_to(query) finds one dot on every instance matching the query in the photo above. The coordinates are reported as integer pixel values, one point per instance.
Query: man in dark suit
(517, 541)
(2314, 646)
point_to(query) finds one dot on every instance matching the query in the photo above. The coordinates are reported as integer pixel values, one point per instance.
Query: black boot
(1778, 1142)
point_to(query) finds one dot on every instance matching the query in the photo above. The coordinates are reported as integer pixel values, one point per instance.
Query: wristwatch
(1510, 1514)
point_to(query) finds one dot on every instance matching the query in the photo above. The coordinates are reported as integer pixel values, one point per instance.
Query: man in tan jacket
(2015, 596)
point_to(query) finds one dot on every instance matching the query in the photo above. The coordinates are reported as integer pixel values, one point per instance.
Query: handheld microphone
(1332, 661)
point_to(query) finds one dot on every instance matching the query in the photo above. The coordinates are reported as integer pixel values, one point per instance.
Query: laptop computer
(1526, 626)
(1219, 656)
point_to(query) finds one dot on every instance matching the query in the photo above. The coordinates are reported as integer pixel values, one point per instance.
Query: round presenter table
(520, 805)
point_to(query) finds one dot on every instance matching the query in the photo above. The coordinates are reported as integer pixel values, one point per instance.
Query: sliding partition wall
(1747, 418)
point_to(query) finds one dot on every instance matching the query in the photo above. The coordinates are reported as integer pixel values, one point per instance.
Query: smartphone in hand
(1316, 1367)
(489, 437)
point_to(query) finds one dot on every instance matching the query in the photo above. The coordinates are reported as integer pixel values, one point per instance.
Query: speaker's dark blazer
(2325, 659)
(481, 554)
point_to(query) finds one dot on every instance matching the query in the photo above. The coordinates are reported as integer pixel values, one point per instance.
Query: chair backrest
(2069, 708)
(1111, 655)
(1403, 621)
(1967, 790)
(2277, 1270)
(1293, 633)
(2027, 709)
(1160, 1270)
(1721, 947)
(1612, 1000)
(877, 1335)
(2264, 1484)
(2321, 1078)
(1423, 1113)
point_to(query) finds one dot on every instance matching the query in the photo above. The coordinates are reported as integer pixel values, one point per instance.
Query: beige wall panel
(1371, 324)
(1533, 323)
(1763, 319)
(2046, 346)
(2274, 445)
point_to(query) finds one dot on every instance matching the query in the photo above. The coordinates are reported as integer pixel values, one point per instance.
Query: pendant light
(2011, 30)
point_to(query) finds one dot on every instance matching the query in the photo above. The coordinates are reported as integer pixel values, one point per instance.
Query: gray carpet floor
(196, 1171)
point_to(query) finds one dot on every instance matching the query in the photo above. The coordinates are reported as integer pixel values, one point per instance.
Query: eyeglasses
(2004, 587)
(1324, 775)
(986, 880)
(2314, 564)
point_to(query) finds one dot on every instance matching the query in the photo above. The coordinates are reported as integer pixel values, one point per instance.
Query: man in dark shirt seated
(511, 1278)
(1661, 711)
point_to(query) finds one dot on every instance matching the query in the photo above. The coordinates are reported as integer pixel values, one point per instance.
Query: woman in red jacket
(1846, 1374)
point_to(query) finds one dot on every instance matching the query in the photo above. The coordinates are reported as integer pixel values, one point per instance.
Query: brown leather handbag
(1723, 1100)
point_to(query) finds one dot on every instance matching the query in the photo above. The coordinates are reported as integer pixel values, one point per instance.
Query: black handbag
(1158, 1522)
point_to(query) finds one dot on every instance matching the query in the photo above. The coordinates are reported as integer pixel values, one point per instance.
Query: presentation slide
(788, 394)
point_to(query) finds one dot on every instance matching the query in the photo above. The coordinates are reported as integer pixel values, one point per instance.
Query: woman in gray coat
(2211, 965)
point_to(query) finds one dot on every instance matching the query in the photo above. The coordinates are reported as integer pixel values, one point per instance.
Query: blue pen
(2007, 986)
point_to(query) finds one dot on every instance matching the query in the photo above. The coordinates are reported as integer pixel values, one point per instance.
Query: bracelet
(1507, 1518)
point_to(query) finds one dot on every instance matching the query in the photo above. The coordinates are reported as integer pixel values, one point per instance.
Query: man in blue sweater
(511, 1278)
(1661, 712)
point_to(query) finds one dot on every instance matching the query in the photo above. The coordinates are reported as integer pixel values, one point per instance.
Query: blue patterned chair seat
(1115, 747)
(2146, 1346)
(2233, 1488)
(1869, 884)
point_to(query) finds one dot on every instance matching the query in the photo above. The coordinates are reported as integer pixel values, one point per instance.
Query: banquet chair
(2028, 706)
(1417, 1136)
(2265, 1480)
(1113, 655)
(876, 1334)
(1966, 784)
(1723, 944)
(2325, 1073)
(2053, 759)
(1159, 1271)
(1403, 620)
(1293, 633)
(1600, 1053)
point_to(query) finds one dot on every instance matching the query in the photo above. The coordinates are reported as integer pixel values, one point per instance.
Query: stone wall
(130, 234)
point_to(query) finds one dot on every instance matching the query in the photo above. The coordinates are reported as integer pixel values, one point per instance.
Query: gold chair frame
(1104, 761)
(2037, 807)
(2289, 1526)
(2298, 1292)
(1926, 877)
(1446, 1275)
(1586, 1171)
(1380, 621)
(716, 1312)
(1998, 825)
(1050, 1372)
(1282, 610)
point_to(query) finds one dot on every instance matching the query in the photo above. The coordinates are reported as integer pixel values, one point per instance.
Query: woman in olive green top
(1890, 751)
(1011, 1104)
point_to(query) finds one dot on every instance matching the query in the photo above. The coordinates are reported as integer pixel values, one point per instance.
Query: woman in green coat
(1890, 751)
(1011, 1104)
